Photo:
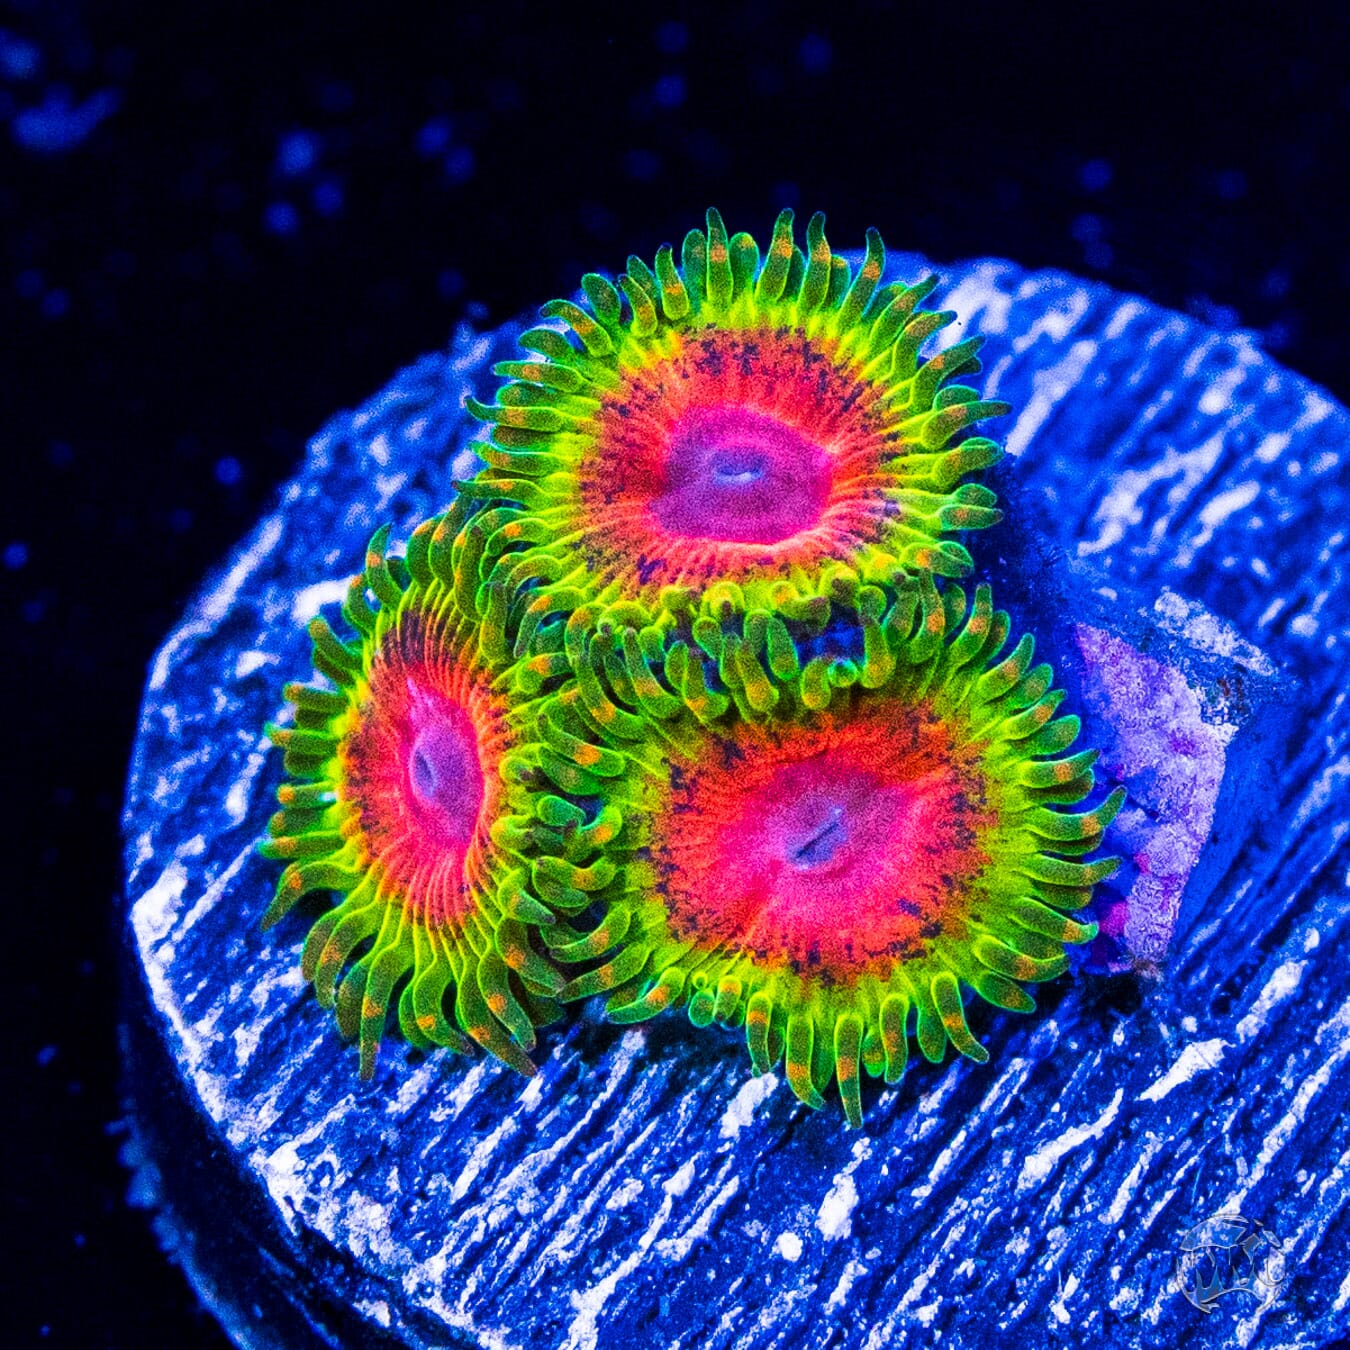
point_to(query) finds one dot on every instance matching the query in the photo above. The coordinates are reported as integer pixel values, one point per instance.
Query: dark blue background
(218, 227)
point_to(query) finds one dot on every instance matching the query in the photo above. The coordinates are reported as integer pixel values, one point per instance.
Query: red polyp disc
(416, 767)
(840, 846)
(440, 758)
(739, 475)
(737, 455)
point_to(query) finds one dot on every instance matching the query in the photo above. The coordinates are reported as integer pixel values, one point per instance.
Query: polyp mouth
(739, 476)
(826, 847)
(444, 777)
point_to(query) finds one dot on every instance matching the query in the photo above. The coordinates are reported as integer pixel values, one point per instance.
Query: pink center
(740, 476)
(841, 847)
(811, 823)
(414, 768)
(736, 456)
(445, 780)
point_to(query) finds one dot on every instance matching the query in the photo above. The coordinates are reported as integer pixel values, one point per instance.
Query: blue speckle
(450, 284)
(1223, 317)
(1231, 185)
(46, 1055)
(459, 164)
(329, 198)
(56, 125)
(815, 54)
(668, 91)
(642, 165)
(19, 60)
(1086, 228)
(786, 194)
(229, 471)
(28, 283)
(16, 555)
(55, 304)
(298, 153)
(180, 520)
(281, 218)
(1276, 284)
(672, 37)
(1095, 175)
(434, 138)
(1279, 335)
(1099, 255)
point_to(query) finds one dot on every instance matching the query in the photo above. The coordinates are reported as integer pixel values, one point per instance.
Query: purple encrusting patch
(1154, 736)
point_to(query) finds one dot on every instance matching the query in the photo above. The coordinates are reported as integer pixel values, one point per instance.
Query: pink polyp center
(732, 455)
(737, 475)
(812, 821)
(812, 842)
(841, 848)
(418, 767)
(445, 780)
